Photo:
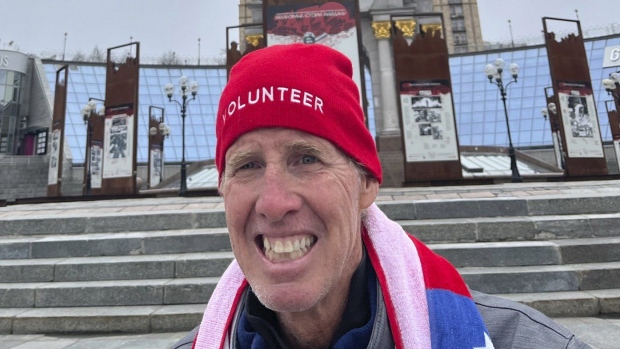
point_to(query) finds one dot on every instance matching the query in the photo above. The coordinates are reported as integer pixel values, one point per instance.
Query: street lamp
(611, 85)
(494, 73)
(162, 128)
(185, 90)
(88, 111)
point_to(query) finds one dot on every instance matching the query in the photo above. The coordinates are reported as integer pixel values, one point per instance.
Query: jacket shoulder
(515, 326)
(188, 341)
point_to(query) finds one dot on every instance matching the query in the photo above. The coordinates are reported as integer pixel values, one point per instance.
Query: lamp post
(186, 88)
(494, 74)
(612, 86)
(64, 47)
(88, 111)
(512, 40)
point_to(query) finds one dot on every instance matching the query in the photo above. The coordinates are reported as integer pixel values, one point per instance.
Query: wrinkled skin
(281, 183)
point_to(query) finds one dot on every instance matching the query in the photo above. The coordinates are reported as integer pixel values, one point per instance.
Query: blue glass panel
(599, 53)
(467, 59)
(481, 60)
(532, 52)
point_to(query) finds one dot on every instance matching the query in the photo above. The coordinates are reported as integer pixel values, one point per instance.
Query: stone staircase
(150, 265)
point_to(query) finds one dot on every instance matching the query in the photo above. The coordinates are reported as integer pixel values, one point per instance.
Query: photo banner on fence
(581, 127)
(428, 121)
(332, 24)
(118, 142)
(54, 157)
(157, 162)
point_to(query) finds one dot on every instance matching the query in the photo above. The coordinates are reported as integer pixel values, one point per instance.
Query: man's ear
(369, 188)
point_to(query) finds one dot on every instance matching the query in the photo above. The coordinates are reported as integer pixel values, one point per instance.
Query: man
(317, 264)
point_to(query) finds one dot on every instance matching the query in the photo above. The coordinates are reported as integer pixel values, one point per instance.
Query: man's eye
(308, 159)
(248, 166)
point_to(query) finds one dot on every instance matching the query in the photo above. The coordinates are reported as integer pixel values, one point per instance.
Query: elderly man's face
(293, 205)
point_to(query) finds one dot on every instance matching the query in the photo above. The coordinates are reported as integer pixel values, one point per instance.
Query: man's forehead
(279, 138)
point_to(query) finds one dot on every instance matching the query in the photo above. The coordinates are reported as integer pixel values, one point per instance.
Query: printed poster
(332, 24)
(118, 142)
(428, 121)
(96, 164)
(581, 127)
(157, 165)
(52, 177)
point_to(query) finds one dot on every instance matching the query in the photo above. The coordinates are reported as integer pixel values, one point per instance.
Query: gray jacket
(517, 326)
(511, 325)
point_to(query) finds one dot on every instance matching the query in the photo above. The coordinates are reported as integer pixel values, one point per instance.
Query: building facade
(462, 24)
(461, 19)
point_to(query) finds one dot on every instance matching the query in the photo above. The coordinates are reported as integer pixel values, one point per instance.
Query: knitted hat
(303, 87)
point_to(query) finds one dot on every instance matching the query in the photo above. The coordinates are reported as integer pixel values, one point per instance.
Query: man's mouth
(287, 249)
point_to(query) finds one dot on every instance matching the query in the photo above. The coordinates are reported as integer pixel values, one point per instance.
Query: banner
(118, 142)
(428, 121)
(52, 178)
(96, 164)
(157, 165)
(581, 127)
(332, 24)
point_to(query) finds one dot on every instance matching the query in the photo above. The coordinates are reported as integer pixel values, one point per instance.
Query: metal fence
(171, 58)
(592, 32)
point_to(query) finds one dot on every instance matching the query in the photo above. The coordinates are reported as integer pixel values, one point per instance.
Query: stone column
(389, 142)
(386, 69)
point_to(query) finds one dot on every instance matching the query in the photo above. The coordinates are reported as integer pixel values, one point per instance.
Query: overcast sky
(37, 26)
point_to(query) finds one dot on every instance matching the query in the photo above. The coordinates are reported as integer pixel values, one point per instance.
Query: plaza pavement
(599, 332)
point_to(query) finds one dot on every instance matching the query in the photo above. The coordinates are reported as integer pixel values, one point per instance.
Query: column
(389, 106)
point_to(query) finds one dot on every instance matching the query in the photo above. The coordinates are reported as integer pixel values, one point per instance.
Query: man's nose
(277, 196)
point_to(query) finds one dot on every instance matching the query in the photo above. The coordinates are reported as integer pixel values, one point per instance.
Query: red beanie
(303, 87)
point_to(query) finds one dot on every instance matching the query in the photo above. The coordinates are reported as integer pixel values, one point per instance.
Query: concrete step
(515, 228)
(115, 244)
(117, 319)
(173, 318)
(429, 231)
(500, 206)
(139, 219)
(212, 264)
(547, 278)
(107, 293)
(184, 265)
(530, 253)
(89, 217)
(167, 291)
(216, 239)
(571, 304)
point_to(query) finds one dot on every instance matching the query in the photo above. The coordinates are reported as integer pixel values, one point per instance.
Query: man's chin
(287, 301)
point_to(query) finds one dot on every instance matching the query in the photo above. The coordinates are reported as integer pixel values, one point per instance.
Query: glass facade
(479, 110)
(86, 81)
(10, 101)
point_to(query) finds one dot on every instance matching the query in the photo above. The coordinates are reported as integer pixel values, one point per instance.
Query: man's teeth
(287, 249)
